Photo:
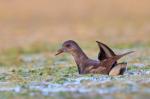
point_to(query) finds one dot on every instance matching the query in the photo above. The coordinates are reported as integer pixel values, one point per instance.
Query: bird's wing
(112, 61)
(104, 66)
(96, 69)
(105, 51)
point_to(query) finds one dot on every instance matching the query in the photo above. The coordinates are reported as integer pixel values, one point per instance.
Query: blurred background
(31, 31)
(24, 22)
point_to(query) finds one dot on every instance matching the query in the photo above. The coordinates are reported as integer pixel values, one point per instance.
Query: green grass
(11, 56)
(49, 70)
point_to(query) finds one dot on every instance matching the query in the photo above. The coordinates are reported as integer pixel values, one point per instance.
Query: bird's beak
(59, 52)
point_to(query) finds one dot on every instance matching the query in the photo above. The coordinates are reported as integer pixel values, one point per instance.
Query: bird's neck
(80, 58)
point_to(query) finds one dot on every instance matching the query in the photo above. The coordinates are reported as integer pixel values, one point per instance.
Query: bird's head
(69, 46)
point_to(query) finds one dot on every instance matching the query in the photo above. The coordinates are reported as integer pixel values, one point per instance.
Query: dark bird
(106, 63)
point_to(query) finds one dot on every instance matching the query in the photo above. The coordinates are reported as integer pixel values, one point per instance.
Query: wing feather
(105, 51)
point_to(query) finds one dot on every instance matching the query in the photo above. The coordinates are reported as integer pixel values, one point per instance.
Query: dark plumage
(107, 63)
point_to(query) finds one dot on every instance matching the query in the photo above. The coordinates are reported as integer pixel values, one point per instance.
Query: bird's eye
(68, 45)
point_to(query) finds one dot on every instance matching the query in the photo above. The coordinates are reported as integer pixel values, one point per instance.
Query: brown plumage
(107, 63)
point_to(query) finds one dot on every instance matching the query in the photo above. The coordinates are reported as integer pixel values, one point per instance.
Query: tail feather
(117, 57)
(126, 53)
(110, 61)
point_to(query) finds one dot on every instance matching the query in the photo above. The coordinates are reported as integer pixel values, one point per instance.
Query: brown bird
(107, 63)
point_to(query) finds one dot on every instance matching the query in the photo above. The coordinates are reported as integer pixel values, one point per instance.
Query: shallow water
(101, 84)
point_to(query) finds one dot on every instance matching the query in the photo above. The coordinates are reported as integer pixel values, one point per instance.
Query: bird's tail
(120, 56)
(109, 63)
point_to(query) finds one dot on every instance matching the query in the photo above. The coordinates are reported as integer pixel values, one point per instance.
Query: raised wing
(105, 51)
